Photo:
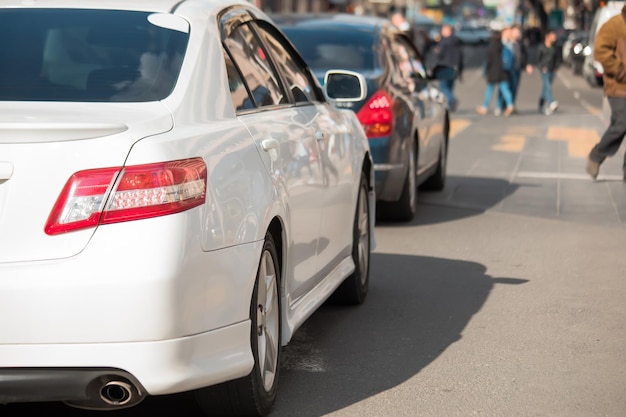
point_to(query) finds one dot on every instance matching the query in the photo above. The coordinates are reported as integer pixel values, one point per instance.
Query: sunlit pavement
(530, 163)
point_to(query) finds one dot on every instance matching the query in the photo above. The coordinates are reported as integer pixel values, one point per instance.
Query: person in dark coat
(548, 60)
(449, 63)
(496, 76)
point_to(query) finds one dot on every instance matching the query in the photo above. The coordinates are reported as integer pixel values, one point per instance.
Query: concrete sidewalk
(530, 163)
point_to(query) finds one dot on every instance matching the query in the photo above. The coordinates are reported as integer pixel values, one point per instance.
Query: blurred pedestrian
(496, 76)
(547, 63)
(610, 51)
(513, 39)
(448, 63)
(399, 21)
(508, 64)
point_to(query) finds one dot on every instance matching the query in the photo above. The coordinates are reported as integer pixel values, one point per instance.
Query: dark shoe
(593, 168)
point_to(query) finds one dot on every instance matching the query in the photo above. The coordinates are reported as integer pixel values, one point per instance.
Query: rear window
(87, 55)
(327, 49)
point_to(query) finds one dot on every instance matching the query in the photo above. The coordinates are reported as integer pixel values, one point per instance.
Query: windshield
(87, 55)
(327, 49)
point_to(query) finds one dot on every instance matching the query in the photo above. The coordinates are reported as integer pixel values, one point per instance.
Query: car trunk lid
(41, 146)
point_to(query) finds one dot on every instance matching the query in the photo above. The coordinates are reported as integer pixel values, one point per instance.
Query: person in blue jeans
(448, 63)
(547, 64)
(512, 38)
(497, 76)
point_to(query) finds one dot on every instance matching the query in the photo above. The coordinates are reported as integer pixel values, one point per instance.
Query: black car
(580, 49)
(574, 50)
(404, 115)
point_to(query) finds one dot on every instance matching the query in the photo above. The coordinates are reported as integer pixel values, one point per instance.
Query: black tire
(437, 181)
(353, 290)
(254, 395)
(405, 208)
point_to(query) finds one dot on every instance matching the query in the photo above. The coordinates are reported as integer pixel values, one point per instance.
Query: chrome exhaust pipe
(117, 393)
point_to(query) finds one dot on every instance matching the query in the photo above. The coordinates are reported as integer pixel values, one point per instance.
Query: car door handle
(269, 144)
(319, 135)
(6, 171)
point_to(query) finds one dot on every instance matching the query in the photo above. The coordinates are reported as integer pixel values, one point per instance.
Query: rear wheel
(437, 181)
(354, 289)
(254, 394)
(405, 208)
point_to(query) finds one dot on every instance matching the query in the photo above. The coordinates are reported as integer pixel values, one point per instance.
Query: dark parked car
(404, 115)
(579, 49)
(568, 44)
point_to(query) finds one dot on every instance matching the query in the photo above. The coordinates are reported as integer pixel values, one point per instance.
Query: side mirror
(344, 86)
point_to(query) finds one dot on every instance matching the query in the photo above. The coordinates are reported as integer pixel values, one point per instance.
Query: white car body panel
(167, 299)
(23, 128)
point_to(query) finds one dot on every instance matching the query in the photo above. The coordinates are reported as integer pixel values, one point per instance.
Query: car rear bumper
(154, 306)
(78, 373)
(389, 169)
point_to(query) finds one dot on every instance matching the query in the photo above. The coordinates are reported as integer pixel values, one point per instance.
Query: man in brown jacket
(610, 51)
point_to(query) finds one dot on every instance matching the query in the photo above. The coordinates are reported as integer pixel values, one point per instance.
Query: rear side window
(236, 85)
(406, 61)
(87, 55)
(253, 62)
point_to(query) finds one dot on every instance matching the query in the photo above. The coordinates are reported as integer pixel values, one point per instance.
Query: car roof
(161, 6)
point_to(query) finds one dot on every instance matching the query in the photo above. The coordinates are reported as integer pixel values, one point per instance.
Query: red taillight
(376, 115)
(112, 195)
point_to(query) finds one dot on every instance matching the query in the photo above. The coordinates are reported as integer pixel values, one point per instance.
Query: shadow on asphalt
(471, 195)
(417, 308)
(180, 405)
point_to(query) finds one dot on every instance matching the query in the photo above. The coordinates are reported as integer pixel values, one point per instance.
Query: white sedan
(177, 196)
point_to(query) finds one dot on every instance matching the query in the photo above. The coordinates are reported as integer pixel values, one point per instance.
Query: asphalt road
(504, 297)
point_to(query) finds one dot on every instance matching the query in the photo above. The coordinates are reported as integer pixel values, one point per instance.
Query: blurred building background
(543, 14)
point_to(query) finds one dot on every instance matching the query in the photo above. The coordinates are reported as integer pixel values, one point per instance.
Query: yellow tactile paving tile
(579, 140)
(594, 110)
(457, 125)
(523, 130)
(510, 143)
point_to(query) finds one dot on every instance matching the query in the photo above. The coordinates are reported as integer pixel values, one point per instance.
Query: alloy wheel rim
(268, 327)
(412, 179)
(363, 230)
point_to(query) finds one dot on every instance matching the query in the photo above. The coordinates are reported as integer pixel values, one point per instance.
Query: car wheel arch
(416, 148)
(277, 230)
